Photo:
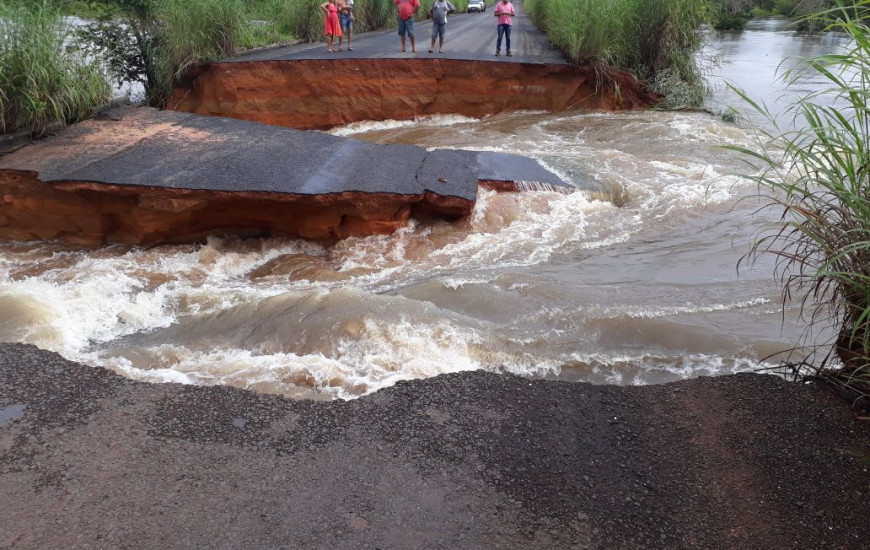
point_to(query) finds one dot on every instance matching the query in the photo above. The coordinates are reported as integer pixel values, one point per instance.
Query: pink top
(505, 12)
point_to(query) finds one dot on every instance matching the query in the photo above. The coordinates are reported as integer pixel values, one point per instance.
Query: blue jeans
(346, 22)
(438, 30)
(406, 26)
(503, 30)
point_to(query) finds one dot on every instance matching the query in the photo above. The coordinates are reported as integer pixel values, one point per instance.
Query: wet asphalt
(470, 460)
(192, 151)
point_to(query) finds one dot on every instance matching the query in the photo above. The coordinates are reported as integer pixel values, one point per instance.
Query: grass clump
(818, 178)
(656, 41)
(201, 30)
(40, 79)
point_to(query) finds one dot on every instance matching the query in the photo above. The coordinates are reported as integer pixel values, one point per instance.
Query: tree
(127, 39)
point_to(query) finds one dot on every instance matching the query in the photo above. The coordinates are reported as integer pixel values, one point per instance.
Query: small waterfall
(523, 186)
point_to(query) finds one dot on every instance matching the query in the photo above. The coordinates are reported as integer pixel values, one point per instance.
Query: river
(634, 284)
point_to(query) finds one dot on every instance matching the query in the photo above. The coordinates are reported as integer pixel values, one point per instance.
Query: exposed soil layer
(308, 94)
(91, 214)
(471, 460)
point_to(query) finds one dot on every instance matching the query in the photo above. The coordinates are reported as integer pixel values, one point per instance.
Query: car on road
(476, 5)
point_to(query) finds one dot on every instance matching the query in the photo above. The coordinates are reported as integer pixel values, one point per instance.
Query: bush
(786, 7)
(40, 79)
(155, 41)
(818, 178)
(730, 22)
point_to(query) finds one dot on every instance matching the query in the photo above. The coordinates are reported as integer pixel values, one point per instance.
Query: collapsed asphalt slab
(177, 150)
(144, 176)
(469, 460)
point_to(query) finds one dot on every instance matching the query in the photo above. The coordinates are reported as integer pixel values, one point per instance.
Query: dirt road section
(472, 460)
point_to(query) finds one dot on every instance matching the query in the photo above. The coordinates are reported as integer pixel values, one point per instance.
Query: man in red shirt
(406, 10)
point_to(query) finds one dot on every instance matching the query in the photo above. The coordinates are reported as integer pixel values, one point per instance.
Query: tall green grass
(655, 40)
(818, 178)
(200, 30)
(40, 80)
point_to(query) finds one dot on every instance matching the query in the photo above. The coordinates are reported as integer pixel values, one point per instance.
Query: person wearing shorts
(346, 19)
(405, 10)
(439, 11)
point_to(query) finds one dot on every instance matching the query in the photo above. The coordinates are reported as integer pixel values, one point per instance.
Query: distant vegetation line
(656, 41)
(733, 14)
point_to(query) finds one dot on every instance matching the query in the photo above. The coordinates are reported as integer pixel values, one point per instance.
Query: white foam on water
(654, 312)
(98, 305)
(379, 354)
(379, 125)
(648, 368)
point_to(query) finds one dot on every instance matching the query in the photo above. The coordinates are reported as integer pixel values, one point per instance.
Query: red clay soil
(87, 213)
(312, 94)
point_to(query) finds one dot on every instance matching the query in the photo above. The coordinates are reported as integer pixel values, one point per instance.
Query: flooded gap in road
(634, 283)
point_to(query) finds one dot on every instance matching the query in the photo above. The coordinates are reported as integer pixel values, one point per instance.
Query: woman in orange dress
(331, 27)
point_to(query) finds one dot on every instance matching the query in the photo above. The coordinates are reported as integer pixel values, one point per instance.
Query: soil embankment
(470, 460)
(314, 93)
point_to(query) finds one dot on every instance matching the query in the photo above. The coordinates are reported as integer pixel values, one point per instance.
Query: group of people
(339, 20)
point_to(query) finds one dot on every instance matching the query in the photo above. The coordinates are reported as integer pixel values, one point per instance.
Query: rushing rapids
(633, 283)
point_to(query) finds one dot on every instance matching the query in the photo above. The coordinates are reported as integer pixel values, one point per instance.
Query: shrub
(155, 41)
(730, 21)
(40, 79)
(818, 178)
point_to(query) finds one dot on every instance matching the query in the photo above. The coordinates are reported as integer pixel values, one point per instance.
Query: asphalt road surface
(469, 36)
(155, 149)
(471, 460)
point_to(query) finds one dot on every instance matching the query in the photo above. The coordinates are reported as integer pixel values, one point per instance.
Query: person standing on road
(439, 11)
(406, 9)
(504, 10)
(331, 27)
(346, 19)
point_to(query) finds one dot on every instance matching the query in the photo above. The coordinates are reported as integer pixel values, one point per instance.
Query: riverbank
(468, 460)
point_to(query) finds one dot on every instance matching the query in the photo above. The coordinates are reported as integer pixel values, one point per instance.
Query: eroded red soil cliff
(310, 94)
(88, 213)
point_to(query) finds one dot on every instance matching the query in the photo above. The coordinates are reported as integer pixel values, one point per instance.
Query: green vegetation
(40, 81)
(155, 42)
(818, 179)
(733, 14)
(656, 41)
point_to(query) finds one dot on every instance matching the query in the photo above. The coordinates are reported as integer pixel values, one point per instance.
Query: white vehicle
(476, 5)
